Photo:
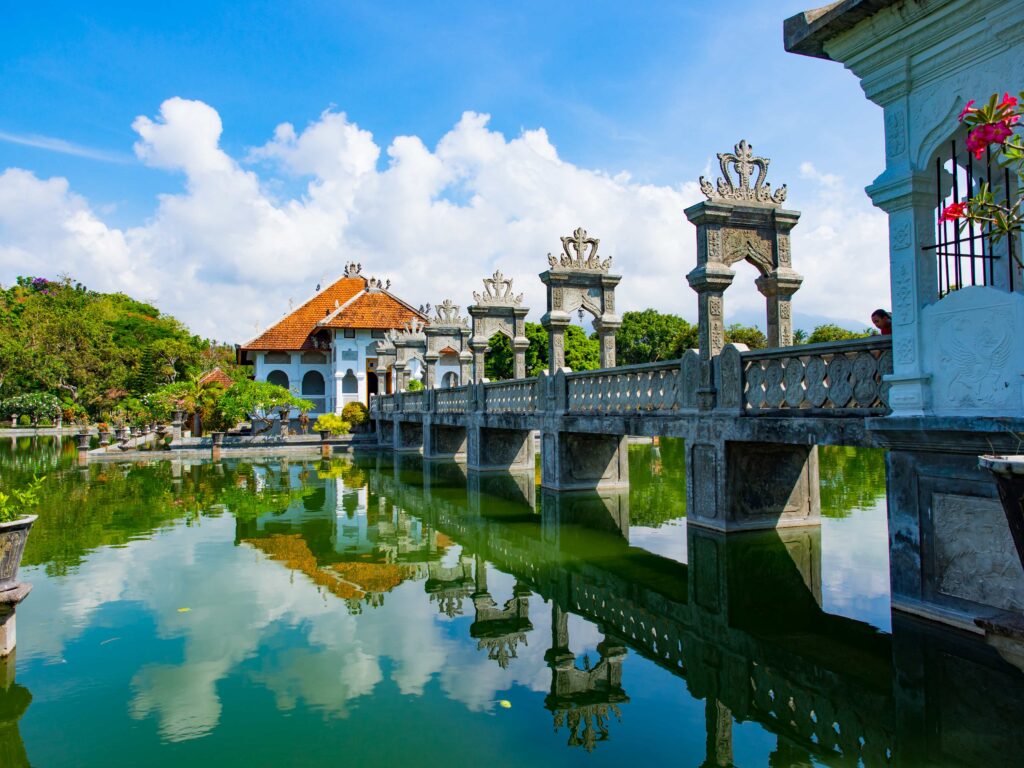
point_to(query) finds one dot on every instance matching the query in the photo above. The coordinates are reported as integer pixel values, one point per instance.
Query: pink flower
(953, 212)
(988, 133)
(966, 110)
(1008, 101)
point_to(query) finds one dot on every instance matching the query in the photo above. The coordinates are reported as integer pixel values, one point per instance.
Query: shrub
(24, 420)
(355, 414)
(45, 423)
(333, 423)
(415, 385)
(18, 502)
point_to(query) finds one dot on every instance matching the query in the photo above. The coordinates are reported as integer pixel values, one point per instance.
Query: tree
(746, 334)
(581, 353)
(650, 336)
(259, 401)
(832, 332)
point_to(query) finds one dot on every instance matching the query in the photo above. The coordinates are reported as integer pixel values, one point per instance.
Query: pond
(379, 611)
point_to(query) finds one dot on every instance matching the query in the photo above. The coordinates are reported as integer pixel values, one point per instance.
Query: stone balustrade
(516, 396)
(414, 402)
(833, 378)
(452, 400)
(647, 388)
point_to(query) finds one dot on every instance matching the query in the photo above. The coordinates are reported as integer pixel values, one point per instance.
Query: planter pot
(218, 438)
(1009, 474)
(12, 545)
(83, 440)
(105, 437)
(324, 435)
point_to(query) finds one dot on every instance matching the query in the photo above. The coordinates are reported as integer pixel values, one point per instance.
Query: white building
(326, 349)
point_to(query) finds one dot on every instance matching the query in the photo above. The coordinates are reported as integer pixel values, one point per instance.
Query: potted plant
(995, 127)
(218, 438)
(331, 424)
(15, 524)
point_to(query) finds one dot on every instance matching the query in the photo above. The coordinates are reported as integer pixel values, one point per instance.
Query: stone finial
(448, 314)
(498, 291)
(744, 163)
(584, 258)
(376, 284)
(353, 269)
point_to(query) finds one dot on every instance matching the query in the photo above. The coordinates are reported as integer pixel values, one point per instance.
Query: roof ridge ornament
(498, 291)
(353, 269)
(376, 284)
(584, 259)
(743, 162)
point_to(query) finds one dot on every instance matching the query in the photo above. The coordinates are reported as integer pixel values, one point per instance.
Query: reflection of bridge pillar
(598, 511)
(578, 461)
(499, 630)
(718, 725)
(747, 486)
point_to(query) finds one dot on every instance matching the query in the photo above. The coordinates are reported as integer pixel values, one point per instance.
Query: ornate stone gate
(448, 334)
(498, 310)
(579, 281)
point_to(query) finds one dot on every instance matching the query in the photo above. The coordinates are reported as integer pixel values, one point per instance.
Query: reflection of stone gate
(741, 222)
(498, 310)
(580, 282)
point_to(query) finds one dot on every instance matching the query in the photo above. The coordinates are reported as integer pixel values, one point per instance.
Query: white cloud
(227, 251)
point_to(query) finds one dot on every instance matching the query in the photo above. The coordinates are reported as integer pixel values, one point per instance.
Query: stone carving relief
(556, 298)
(784, 254)
(747, 244)
(903, 293)
(975, 357)
(895, 135)
(785, 310)
(743, 162)
(901, 235)
(903, 351)
(715, 306)
(498, 292)
(447, 314)
(585, 256)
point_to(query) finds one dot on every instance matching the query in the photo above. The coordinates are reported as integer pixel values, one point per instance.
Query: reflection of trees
(657, 482)
(851, 478)
(14, 700)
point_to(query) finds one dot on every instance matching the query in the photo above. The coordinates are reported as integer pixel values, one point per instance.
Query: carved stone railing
(651, 387)
(834, 378)
(452, 400)
(414, 402)
(516, 396)
(382, 404)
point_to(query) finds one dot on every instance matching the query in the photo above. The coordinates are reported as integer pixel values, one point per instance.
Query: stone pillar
(718, 722)
(606, 338)
(555, 326)
(9, 600)
(430, 369)
(778, 289)
(479, 350)
(709, 281)
(520, 343)
(578, 461)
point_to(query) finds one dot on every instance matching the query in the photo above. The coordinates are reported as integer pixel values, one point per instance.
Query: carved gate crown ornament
(579, 241)
(498, 291)
(744, 163)
(353, 269)
(448, 314)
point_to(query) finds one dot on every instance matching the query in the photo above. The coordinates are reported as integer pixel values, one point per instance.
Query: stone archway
(447, 339)
(498, 310)
(741, 221)
(580, 282)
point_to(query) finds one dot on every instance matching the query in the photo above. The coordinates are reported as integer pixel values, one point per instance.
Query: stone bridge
(742, 623)
(772, 408)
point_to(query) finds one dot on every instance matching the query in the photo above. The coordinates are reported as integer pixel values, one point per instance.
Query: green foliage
(333, 423)
(650, 336)
(745, 334)
(91, 349)
(24, 421)
(832, 332)
(415, 385)
(355, 413)
(259, 401)
(34, 405)
(19, 501)
(581, 353)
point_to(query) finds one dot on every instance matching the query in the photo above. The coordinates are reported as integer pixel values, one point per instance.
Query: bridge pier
(492, 449)
(441, 441)
(407, 437)
(582, 461)
(736, 486)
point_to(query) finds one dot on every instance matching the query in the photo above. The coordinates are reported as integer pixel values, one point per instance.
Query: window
(350, 333)
(278, 377)
(277, 357)
(377, 334)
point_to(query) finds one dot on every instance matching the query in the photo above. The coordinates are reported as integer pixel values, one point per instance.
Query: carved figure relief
(977, 354)
(747, 244)
(743, 162)
(585, 256)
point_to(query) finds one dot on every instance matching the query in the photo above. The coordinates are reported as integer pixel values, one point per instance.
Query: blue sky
(651, 90)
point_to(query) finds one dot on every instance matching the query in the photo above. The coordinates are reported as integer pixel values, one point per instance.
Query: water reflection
(327, 585)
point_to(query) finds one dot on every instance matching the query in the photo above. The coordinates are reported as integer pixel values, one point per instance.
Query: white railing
(651, 387)
(517, 396)
(833, 377)
(452, 400)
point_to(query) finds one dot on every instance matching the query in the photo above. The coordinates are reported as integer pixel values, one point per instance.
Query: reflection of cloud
(855, 566)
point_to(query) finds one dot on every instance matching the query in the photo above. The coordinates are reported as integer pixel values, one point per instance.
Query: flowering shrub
(995, 125)
(35, 405)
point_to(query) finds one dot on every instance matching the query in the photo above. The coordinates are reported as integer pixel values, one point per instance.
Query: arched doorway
(451, 379)
(280, 378)
(314, 389)
(372, 385)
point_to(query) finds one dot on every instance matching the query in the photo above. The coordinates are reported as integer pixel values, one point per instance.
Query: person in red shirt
(882, 321)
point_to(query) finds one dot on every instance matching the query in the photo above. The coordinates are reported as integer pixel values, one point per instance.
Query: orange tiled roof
(217, 376)
(377, 310)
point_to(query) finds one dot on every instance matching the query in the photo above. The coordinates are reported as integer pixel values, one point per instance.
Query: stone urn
(218, 439)
(1009, 475)
(105, 437)
(13, 536)
(325, 435)
(83, 441)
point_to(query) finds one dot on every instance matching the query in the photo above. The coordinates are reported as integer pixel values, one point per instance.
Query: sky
(222, 159)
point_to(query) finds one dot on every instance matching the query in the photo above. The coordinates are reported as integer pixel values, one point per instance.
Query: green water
(382, 612)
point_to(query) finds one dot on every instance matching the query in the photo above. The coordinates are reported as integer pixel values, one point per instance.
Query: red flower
(966, 110)
(989, 133)
(953, 212)
(1008, 101)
